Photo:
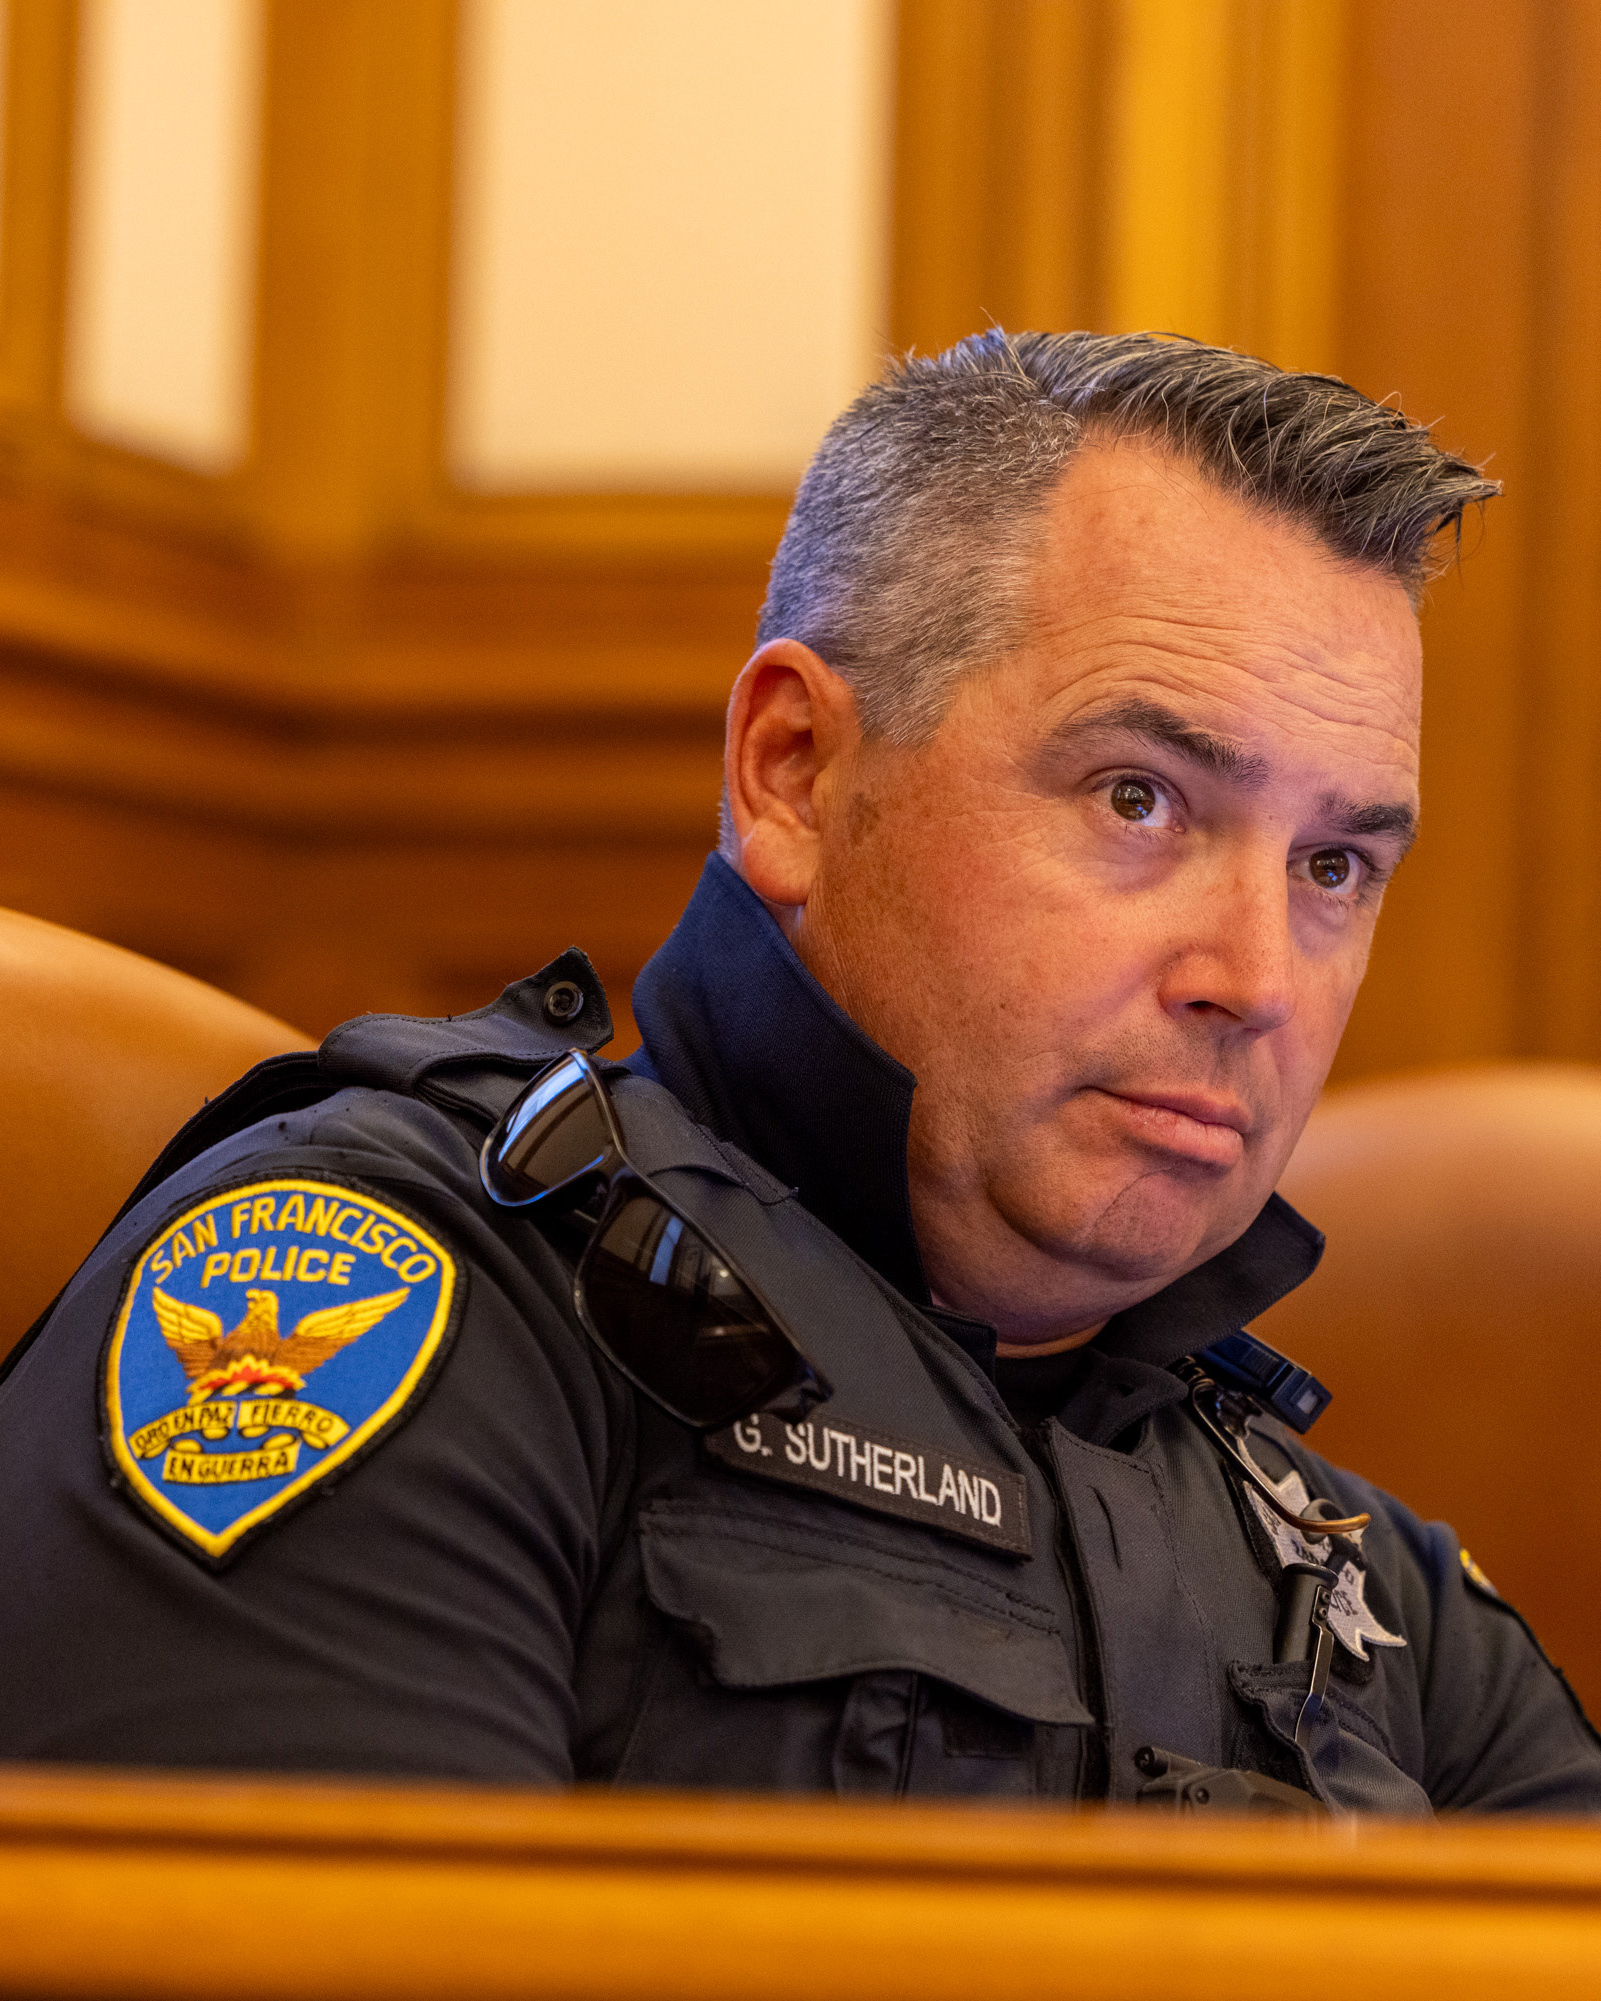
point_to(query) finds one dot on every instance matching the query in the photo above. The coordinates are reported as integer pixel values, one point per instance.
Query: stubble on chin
(1037, 1236)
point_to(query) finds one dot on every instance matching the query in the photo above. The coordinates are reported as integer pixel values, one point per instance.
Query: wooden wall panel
(392, 740)
(1471, 293)
(333, 651)
(440, 810)
(354, 266)
(1407, 195)
(998, 123)
(33, 207)
(1437, 311)
(539, 757)
(1558, 790)
(321, 929)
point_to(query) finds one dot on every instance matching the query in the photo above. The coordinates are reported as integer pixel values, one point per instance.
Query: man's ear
(792, 734)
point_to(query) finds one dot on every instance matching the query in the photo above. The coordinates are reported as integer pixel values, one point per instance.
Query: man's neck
(1025, 1351)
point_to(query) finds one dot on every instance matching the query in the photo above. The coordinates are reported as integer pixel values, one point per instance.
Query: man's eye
(1330, 868)
(1134, 799)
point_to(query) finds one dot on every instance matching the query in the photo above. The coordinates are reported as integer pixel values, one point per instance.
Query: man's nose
(1239, 957)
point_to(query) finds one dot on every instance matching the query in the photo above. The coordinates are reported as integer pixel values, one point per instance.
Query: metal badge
(1352, 1621)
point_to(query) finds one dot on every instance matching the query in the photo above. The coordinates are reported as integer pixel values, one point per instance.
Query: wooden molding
(1115, 164)
(997, 122)
(1559, 942)
(629, 631)
(39, 57)
(108, 1882)
(332, 787)
(1223, 165)
(497, 773)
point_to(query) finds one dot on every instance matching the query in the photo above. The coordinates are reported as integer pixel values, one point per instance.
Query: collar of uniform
(1277, 1253)
(1110, 1394)
(748, 1042)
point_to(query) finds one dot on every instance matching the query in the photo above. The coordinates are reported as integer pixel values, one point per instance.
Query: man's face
(1114, 916)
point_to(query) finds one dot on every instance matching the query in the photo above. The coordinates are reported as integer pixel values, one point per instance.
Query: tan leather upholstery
(1457, 1318)
(103, 1055)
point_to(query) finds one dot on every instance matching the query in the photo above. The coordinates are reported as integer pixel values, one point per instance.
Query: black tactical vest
(906, 1594)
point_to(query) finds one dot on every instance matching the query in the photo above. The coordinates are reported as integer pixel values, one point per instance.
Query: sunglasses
(652, 1288)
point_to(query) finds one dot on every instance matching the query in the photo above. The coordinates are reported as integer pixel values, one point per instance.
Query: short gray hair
(907, 556)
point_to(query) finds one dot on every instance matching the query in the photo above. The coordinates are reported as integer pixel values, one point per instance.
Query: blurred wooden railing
(256, 1889)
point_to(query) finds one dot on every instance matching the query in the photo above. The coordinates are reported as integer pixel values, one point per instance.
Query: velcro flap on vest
(773, 1603)
(393, 1052)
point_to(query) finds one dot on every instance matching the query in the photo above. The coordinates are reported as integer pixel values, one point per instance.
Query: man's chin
(1143, 1238)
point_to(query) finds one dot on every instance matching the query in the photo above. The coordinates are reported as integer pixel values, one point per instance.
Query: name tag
(893, 1476)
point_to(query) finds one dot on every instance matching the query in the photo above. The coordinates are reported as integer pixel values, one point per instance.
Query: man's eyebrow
(1344, 816)
(1219, 755)
(1225, 758)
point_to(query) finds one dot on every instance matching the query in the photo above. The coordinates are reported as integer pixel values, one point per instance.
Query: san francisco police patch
(266, 1337)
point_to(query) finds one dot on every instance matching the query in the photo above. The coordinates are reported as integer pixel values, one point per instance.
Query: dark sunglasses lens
(554, 1134)
(678, 1320)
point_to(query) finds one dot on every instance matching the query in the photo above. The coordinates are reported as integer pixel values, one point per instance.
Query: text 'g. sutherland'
(893, 1476)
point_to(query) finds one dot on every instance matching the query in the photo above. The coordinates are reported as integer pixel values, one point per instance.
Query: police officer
(848, 1393)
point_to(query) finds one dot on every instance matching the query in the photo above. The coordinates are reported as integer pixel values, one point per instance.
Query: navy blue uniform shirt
(314, 1469)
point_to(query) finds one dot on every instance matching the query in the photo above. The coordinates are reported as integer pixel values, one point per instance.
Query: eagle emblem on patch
(267, 1337)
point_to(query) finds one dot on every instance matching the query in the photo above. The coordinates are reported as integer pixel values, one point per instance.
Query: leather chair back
(1457, 1318)
(103, 1055)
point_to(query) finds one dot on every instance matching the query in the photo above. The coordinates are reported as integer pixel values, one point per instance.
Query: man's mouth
(1198, 1126)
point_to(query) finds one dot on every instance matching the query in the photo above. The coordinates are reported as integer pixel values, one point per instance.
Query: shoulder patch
(267, 1337)
(1477, 1578)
